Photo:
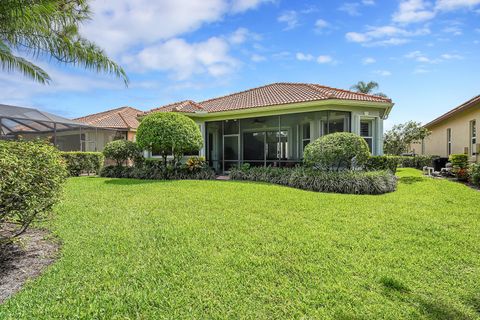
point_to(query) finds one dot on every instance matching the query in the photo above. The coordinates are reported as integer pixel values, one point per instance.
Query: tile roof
(464, 106)
(271, 95)
(187, 106)
(119, 118)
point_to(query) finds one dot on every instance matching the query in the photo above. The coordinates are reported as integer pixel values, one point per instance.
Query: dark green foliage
(376, 163)
(351, 182)
(474, 173)
(398, 139)
(153, 169)
(460, 165)
(195, 164)
(168, 133)
(31, 179)
(459, 160)
(337, 151)
(83, 162)
(417, 162)
(121, 151)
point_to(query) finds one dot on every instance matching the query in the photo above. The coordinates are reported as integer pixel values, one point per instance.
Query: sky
(425, 55)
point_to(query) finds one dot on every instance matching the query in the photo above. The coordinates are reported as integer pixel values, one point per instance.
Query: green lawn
(213, 249)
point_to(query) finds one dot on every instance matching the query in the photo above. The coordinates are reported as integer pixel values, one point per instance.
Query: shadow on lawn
(130, 182)
(411, 180)
(430, 307)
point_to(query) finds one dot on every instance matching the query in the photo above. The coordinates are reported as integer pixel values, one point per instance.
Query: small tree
(121, 151)
(341, 150)
(368, 88)
(169, 134)
(398, 139)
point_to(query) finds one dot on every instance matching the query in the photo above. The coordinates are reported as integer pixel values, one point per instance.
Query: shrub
(350, 182)
(459, 166)
(169, 133)
(83, 162)
(121, 151)
(474, 173)
(341, 150)
(31, 179)
(379, 163)
(154, 170)
(417, 162)
(194, 164)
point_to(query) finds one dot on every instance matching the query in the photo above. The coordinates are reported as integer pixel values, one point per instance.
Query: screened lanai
(67, 135)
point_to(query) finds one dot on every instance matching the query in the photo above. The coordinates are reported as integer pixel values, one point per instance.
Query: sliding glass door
(265, 147)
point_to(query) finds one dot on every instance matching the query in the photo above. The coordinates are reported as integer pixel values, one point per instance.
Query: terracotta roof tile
(270, 95)
(187, 106)
(119, 118)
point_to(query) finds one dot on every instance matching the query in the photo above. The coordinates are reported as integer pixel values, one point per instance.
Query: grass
(196, 250)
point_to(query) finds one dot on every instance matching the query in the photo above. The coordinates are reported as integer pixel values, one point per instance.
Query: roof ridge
(107, 112)
(350, 91)
(452, 111)
(240, 92)
(195, 104)
(123, 119)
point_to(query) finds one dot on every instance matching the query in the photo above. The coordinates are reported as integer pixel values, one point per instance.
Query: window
(305, 134)
(366, 131)
(473, 137)
(449, 141)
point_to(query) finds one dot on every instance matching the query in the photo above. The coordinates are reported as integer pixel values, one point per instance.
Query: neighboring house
(454, 131)
(271, 125)
(119, 123)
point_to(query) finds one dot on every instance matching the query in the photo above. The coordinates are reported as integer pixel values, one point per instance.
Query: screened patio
(67, 135)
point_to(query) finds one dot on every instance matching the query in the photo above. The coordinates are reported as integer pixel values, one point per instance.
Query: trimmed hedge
(349, 182)
(417, 162)
(337, 151)
(83, 162)
(31, 179)
(123, 150)
(153, 169)
(379, 163)
(474, 173)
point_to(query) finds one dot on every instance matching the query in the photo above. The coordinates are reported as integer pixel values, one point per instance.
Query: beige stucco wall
(436, 143)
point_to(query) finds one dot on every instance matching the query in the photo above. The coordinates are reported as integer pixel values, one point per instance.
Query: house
(272, 124)
(119, 123)
(454, 131)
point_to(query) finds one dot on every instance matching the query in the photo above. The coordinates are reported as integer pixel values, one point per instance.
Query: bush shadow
(411, 180)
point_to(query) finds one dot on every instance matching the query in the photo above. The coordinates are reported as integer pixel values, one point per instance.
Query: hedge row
(31, 179)
(349, 182)
(392, 162)
(83, 162)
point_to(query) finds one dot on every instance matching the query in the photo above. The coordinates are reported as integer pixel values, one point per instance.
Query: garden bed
(25, 259)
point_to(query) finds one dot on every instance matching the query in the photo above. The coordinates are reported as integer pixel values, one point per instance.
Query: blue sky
(424, 54)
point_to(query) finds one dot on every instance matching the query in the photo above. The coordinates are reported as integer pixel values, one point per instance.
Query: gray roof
(21, 119)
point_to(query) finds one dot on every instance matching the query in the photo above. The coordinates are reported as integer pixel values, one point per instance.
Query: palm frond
(10, 62)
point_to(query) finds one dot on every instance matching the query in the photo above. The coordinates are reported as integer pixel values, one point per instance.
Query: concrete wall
(436, 143)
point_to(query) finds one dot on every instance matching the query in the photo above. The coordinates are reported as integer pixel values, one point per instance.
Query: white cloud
(449, 5)
(183, 59)
(120, 25)
(290, 18)
(413, 11)
(368, 2)
(384, 36)
(449, 56)
(420, 70)
(320, 25)
(368, 60)
(351, 8)
(239, 36)
(257, 58)
(383, 73)
(304, 57)
(324, 59)
(420, 57)
(456, 30)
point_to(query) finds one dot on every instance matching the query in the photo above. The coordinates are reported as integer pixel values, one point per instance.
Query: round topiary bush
(169, 134)
(337, 151)
(121, 151)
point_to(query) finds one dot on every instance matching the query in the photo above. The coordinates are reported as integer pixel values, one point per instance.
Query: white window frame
(373, 131)
(473, 137)
(449, 141)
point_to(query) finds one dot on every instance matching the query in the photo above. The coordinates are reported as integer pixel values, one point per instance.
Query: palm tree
(49, 29)
(367, 88)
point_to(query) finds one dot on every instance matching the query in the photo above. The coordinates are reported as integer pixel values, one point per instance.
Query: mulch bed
(25, 259)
